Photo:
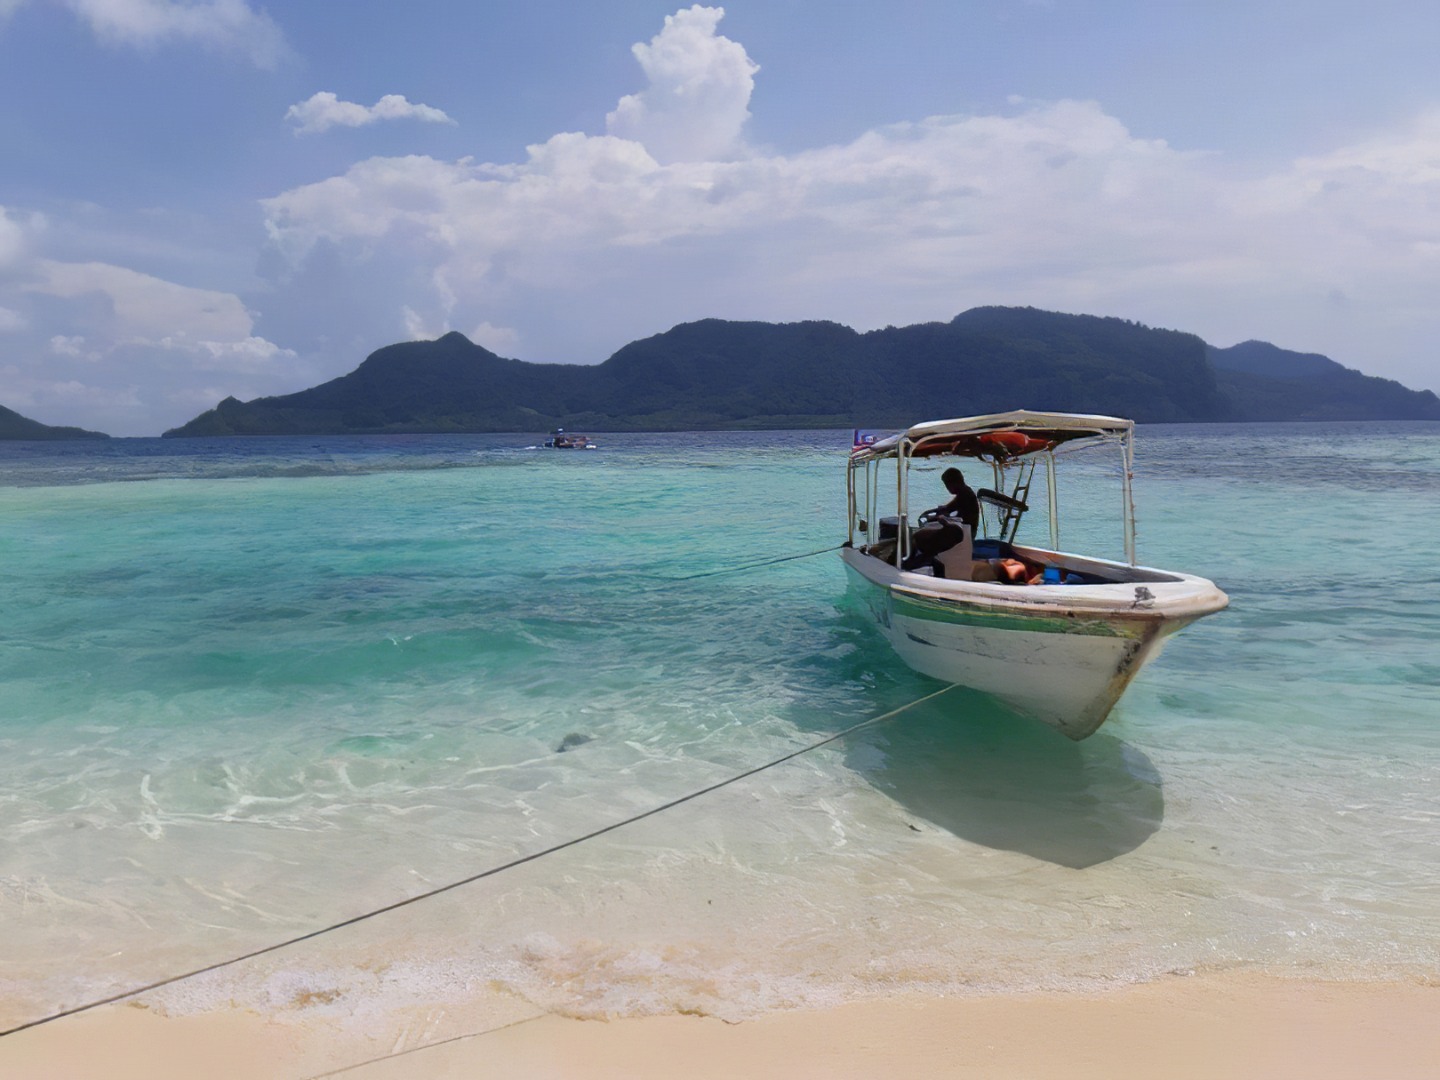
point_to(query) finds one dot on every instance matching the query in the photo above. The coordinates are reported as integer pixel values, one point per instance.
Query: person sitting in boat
(963, 504)
(943, 527)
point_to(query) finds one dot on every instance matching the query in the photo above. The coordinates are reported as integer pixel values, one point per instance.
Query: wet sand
(1235, 1026)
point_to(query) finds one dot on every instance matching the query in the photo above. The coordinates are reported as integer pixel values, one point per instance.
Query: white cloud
(1408, 156)
(224, 24)
(929, 210)
(252, 355)
(417, 329)
(12, 239)
(699, 94)
(74, 346)
(324, 110)
(10, 321)
(501, 340)
(143, 309)
(498, 339)
(75, 391)
(131, 345)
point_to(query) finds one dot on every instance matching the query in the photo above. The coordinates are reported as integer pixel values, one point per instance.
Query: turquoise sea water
(253, 687)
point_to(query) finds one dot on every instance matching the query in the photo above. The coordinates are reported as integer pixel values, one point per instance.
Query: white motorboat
(1055, 635)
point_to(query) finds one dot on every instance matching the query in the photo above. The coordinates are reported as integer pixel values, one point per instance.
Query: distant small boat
(559, 440)
(1057, 636)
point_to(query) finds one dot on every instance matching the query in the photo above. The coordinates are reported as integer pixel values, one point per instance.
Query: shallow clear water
(253, 687)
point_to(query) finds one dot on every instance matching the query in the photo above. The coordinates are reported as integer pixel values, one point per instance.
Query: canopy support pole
(1127, 457)
(1052, 500)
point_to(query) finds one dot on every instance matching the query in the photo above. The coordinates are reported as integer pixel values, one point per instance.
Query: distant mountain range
(715, 374)
(1262, 382)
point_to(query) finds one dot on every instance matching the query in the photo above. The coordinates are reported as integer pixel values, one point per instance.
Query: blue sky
(211, 198)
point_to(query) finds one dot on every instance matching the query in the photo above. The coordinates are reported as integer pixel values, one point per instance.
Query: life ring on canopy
(1011, 443)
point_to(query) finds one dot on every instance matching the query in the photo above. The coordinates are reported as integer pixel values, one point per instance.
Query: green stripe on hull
(939, 611)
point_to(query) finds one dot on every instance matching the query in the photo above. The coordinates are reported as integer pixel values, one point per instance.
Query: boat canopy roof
(994, 437)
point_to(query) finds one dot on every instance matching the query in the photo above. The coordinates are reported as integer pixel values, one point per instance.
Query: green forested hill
(718, 374)
(15, 426)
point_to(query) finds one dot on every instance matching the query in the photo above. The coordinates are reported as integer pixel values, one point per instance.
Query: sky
(211, 198)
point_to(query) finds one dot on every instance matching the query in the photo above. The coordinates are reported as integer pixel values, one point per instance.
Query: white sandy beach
(1236, 1026)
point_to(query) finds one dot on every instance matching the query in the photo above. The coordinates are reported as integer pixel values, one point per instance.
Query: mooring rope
(452, 1040)
(521, 861)
(756, 565)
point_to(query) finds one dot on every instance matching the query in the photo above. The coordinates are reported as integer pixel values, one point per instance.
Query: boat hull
(1063, 654)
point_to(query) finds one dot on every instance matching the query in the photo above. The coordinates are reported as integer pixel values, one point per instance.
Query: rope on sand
(521, 861)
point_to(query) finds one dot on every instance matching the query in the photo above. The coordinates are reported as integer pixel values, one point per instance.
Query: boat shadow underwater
(983, 772)
(968, 765)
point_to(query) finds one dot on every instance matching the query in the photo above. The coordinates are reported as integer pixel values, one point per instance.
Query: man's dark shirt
(965, 506)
